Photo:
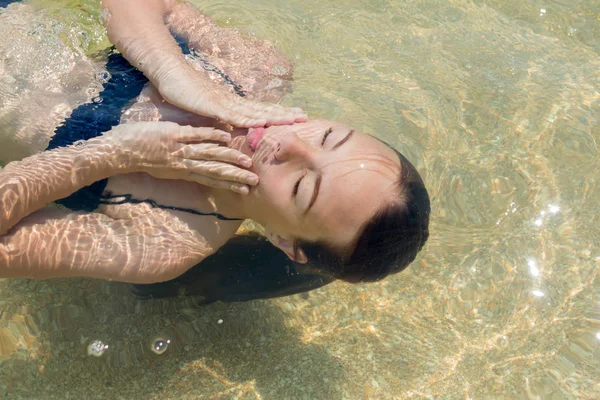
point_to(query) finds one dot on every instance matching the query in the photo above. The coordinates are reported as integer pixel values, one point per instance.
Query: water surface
(497, 103)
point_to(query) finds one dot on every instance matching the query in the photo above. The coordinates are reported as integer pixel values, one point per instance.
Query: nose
(291, 147)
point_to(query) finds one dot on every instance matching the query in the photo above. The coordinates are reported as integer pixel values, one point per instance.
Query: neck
(228, 203)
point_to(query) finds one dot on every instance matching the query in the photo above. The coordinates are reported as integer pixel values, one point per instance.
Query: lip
(264, 151)
(254, 137)
(260, 142)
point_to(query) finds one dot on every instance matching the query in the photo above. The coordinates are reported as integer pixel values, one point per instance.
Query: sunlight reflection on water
(497, 104)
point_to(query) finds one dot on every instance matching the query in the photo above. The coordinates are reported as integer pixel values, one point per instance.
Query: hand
(137, 28)
(167, 150)
(188, 89)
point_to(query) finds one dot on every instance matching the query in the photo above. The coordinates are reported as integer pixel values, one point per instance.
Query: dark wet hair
(389, 241)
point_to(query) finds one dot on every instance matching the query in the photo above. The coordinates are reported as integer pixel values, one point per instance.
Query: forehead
(358, 179)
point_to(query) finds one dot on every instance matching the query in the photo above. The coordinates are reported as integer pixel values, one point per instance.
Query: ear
(287, 246)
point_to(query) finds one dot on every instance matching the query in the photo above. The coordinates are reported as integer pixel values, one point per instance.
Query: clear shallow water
(497, 103)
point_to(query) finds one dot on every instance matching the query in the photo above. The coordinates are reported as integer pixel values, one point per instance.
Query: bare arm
(163, 149)
(58, 243)
(29, 185)
(255, 66)
(145, 246)
(153, 246)
(138, 30)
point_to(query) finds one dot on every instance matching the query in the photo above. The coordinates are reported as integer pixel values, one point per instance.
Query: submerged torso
(52, 90)
(173, 194)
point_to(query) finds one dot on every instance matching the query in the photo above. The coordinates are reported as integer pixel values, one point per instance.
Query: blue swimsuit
(4, 3)
(246, 268)
(92, 119)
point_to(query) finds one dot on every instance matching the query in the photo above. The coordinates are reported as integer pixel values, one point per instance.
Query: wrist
(104, 155)
(170, 68)
(124, 148)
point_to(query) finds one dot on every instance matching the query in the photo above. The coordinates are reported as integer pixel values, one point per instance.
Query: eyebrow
(313, 199)
(315, 193)
(344, 140)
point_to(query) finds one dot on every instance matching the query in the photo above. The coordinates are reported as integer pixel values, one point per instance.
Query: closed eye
(327, 132)
(297, 185)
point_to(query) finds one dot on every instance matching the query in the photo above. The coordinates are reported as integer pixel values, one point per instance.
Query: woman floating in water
(329, 195)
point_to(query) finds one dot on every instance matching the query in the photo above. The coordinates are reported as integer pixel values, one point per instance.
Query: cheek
(274, 181)
(272, 190)
(275, 206)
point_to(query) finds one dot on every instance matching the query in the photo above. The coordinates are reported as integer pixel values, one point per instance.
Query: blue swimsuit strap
(111, 199)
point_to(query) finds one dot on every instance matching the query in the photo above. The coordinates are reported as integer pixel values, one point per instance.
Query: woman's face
(320, 181)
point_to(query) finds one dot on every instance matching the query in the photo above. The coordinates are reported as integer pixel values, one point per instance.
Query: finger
(277, 109)
(214, 152)
(280, 120)
(279, 115)
(173, 131)
(301, 117)
(215, 183)
(254, 114)
(242, 118)
(221, 171)
(188, 134)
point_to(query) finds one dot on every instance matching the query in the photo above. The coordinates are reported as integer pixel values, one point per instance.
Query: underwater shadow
(215, 351)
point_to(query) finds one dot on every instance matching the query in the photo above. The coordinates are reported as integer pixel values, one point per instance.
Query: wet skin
(319, 181)
(356, 173)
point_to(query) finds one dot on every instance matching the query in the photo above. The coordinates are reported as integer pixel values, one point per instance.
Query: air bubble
(159, 346)
(97, 348)
(103, 76)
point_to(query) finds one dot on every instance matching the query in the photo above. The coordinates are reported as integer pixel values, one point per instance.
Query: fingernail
(244, 190)
(253, 180)
(226, 137)
(245, 161)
